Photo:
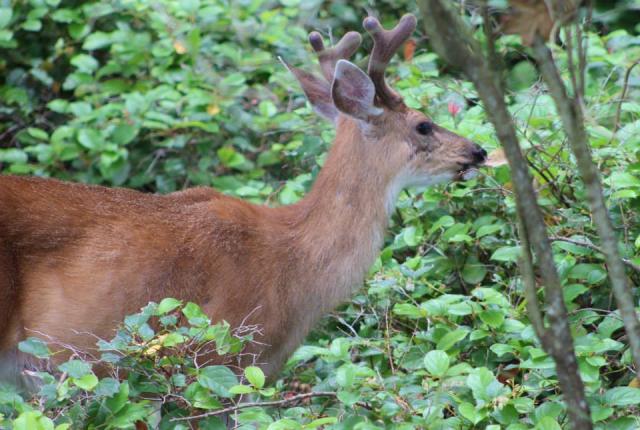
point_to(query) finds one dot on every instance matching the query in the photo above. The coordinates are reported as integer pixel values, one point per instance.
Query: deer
(78, 258)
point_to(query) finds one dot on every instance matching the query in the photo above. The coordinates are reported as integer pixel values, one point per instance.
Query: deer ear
(318, 92)
(353, 91)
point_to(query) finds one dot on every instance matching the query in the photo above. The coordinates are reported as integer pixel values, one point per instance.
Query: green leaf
(75, 368)
(230, 158)
(409, 310)
(85, 63)
(320, 422)
(492, 318)
(267, 109)
(13, 156)
(5, 16)
(448, 340)
(255, 376)
(622, 396)
(522, 75)
(173, 339)
(90, 138)
(195, 315)
(65, 15)
(35, 347)
(38, 133)
(412, 235)
(507, 254)
(128, 415)
(547, 423)
(241, 389)
(86, 382)
(473, 272)
(107, 387)
(32, 420)
(32, 25)
(348, 398)
(437, 363)
(119, 400)
(486, 230)
(218, 379)
(167, 305)
(484, 385)
(591, 273)
(124, 134)
(6, 37)
(285, 424)
(501, 349)
(97, 40)
(468, 411)
(58, 105)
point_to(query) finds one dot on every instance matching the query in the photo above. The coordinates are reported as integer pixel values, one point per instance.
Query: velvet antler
(385, 44)
(328, 57)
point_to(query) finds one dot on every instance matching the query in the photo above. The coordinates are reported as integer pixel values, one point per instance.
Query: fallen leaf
(213, 110)
(526, 18)
(409, 49)
(496, 158)
(179, 47)
(154, 346)
(635, 383)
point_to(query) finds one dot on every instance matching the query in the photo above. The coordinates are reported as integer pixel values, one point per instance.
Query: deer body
(76, 259)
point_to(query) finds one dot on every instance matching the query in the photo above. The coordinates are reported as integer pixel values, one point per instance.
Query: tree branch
(571, 115)
(452, 40)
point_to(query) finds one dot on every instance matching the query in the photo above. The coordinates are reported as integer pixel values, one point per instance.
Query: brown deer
(78, 258)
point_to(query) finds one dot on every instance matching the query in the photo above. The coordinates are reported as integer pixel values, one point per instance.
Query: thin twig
(626, 261)
(583, 46)
(568, 34)
(282, 402)
(530, 291)
(625, 86)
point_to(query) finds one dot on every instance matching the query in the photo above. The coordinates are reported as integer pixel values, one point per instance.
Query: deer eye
(424, 128)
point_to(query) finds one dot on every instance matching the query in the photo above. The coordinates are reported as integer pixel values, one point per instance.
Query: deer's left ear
(317, 90)
(353, 91)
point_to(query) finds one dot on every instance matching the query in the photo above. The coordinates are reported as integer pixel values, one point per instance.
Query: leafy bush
(163, 95)
(167, 368)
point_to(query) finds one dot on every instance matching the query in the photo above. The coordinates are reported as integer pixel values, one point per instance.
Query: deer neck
(341, 222)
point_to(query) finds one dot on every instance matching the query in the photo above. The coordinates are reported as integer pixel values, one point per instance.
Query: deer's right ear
(353, 91)
(318, 92)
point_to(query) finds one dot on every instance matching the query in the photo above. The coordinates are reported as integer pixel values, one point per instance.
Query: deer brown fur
(78, 258)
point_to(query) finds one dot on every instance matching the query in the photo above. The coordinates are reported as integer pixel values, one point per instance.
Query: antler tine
(385, 44)
(328, 57)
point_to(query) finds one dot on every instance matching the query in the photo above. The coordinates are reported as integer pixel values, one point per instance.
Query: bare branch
(282, 402)
(530, 291)
(625, 86)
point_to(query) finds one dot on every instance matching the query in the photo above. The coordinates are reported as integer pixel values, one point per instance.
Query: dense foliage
(167, 94)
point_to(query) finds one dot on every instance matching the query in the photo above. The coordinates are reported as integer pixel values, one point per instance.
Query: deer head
(413, 149)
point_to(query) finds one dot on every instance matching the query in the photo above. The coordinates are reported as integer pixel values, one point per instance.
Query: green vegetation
(169, 94)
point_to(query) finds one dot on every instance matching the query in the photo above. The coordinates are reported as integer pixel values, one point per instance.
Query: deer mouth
(467, 172)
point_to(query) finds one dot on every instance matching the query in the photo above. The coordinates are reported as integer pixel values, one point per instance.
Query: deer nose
(479, 155)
